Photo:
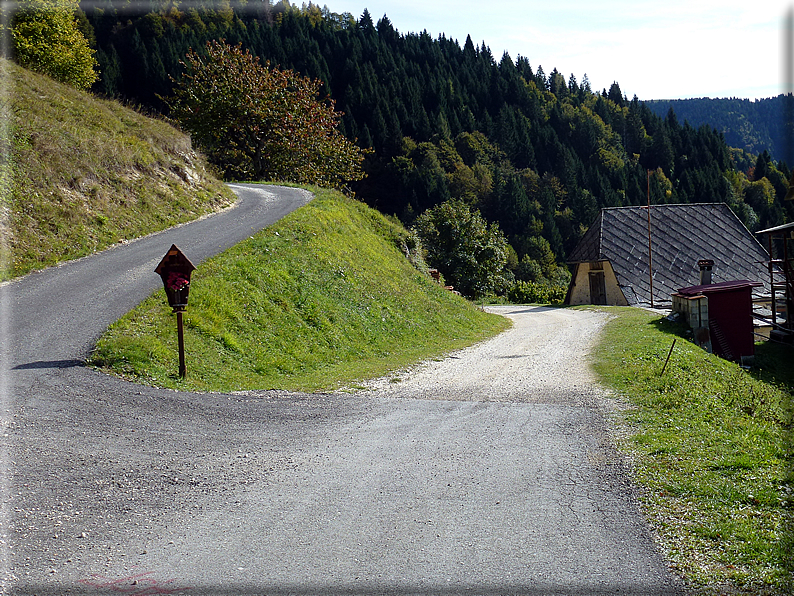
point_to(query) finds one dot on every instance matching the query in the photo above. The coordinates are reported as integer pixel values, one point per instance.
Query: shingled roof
(680, 236)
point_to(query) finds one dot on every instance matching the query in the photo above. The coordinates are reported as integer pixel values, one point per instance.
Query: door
(598, 288)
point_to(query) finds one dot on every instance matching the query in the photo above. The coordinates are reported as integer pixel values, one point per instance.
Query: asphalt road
(113, 488)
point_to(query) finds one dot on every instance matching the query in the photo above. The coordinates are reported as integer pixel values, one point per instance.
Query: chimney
(705, 266)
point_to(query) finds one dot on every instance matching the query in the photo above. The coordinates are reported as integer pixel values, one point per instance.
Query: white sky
(656, 49)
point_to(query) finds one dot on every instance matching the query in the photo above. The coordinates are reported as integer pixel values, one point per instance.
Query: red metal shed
(729, 315)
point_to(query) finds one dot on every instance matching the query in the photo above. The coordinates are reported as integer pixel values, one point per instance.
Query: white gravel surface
(544, 356)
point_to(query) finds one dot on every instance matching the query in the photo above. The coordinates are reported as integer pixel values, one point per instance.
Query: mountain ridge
(754, 126)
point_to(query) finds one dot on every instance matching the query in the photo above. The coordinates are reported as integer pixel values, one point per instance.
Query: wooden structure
(721, 316)
(175, 270)
(780, 245)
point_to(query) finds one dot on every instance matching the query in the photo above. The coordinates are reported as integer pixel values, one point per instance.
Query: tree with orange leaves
(257, 122)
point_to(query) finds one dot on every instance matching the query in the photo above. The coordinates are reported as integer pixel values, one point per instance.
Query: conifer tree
(597, 145)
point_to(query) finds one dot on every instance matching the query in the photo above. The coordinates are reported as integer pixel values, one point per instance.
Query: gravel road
(544, 357)
(488, 472)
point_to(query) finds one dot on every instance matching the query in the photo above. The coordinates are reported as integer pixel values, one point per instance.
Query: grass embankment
(84, 173)
(320, 299)
(711, 447)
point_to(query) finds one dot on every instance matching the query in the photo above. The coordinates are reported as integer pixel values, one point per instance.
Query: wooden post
(670, 353)
(650, 259)
(181, 335)
(175, 270)
(771, 266)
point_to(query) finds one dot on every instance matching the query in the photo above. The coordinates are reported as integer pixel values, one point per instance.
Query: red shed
(728, 316)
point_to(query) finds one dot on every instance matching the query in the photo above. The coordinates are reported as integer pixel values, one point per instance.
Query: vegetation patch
(710, 445)
(84, 173)
(557, 150)
(322, 298)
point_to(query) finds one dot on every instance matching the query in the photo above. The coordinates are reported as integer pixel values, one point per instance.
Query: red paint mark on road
(141, 584)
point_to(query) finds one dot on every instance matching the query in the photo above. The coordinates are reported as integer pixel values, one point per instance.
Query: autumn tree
(46, 37)
(260, 122)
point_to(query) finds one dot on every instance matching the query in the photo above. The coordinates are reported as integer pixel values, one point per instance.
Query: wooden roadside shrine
(175, 270)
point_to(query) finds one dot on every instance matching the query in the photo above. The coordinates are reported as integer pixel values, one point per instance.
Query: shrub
(525, 292)
(465, 248)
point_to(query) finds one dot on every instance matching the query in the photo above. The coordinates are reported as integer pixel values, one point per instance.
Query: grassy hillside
(83, 173)
(711, 447)
(320, 299)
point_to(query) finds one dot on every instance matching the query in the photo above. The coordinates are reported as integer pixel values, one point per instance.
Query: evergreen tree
(615, 95)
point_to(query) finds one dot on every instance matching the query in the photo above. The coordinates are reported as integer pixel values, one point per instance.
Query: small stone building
(611, 263)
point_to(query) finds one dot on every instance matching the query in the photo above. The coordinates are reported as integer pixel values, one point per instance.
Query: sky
(660, 49)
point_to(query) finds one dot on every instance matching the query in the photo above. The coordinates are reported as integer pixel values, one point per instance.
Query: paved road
(56, 315)
(114, 488)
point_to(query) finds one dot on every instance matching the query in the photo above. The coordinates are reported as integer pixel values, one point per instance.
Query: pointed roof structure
(681, 235)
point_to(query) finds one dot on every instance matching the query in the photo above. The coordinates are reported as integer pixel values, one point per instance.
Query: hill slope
(85, 173)
(754, 126)
(322, 298)
(535, 151)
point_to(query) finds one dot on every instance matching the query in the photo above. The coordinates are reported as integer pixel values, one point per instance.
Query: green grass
(711, 449)
(81, 173)
(317, 301)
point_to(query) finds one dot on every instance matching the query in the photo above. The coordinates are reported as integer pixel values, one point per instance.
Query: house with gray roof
(615, 264)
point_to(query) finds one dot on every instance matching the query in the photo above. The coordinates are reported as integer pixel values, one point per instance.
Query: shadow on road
(526, 309)
(50, 364)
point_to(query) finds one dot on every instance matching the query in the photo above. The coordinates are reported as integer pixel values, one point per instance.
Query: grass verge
(78, 174)
(320, 299)
(710, 445)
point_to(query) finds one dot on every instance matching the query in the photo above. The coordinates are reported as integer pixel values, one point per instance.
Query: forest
(536, 153)
(753, 125)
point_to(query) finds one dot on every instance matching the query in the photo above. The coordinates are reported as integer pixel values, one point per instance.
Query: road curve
(478, 487)
(56, 315)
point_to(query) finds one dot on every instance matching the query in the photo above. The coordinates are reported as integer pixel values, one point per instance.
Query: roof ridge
(665, 205)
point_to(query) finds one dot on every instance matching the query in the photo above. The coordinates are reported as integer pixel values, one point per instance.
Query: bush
(529, 270)
(468, 251)
(47, 38)
(526, 292)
